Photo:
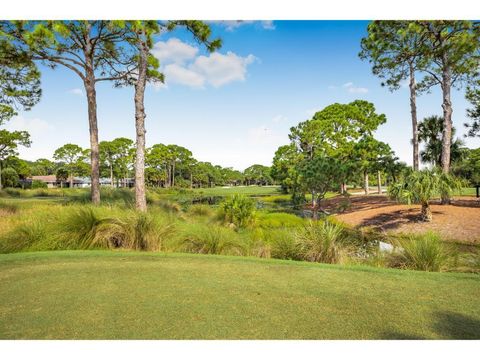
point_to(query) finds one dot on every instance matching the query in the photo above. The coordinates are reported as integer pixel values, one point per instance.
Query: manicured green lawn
(127, 295)
(245, 190)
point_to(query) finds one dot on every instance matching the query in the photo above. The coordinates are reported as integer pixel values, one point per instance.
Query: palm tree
(430, 132)
(419, 187)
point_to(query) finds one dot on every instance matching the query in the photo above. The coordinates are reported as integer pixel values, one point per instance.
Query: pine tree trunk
(426, 212)
(1, 186)
(365, 183)
(447, 118)
(93, 128)
(71, 181)
(111, 176)
(413, 110)
(379, 182)
(140, 196)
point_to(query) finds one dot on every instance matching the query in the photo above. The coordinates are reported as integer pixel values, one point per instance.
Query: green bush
(238, 210)
(9, 177)
(321, 241)
(284, 245)
(421, 252)
(37, 184)
(211, 239)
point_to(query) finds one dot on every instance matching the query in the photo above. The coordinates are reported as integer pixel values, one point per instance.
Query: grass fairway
(128, 295)
(244, 190)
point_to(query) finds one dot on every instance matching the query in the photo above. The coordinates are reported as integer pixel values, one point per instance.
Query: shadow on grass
(446, 325)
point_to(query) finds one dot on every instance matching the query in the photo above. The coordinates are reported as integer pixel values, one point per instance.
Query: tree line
(165, 166)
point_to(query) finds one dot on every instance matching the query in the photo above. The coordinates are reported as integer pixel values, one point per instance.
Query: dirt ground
(458, 222)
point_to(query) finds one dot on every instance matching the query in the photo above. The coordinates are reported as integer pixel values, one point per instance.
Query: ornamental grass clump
(424, 252)
(321, 241)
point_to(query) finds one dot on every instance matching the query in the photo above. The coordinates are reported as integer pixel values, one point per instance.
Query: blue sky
(234, 107)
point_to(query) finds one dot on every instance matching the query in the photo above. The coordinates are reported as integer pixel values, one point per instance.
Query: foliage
(238, 210)
(211, 239)
(424, 252)
(321, 241)
(430, 132)
(9, 178)
(37, 184)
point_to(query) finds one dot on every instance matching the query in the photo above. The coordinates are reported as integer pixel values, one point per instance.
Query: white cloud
(35, 127)
(178, 74)
(268, 24)
(76, 91)
(181, 65)
(174, 50)
(353, 89)
(219, 69)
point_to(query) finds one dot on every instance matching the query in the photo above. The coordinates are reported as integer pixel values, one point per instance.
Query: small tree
(318, 176)
(72, 155)
(9, 177)
(9, 141)
(420, 187)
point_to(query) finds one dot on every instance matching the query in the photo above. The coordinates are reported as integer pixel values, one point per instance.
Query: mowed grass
(243, 190)
(130, 295)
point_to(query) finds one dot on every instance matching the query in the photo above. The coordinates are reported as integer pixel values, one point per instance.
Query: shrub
(320, 241)
(145, 232)
(37, 184)
(12, 192)
(207, 239)
(9, 177)
(422, 252)
(284, 246)
(238, 210)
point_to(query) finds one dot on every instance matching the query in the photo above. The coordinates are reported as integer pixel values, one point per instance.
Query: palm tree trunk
(140, 196)
(426, 212)
(111, 175)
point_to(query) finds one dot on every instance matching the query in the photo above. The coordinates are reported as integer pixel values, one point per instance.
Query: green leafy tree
(468, 167)
(319, 175)
(62, 175)
(9, 177)
(94, 50)
(72, 156)
(19, 81)
(257, 175)
(452, 48)
(9, 142)
(395, 52)
(43, 167)
(473, 96)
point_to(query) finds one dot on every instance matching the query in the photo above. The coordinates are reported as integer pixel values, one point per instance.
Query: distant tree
(319, 175)
(43, 167)
(9, 142)
(72, 156)
(394, 50)
(468, 167)
(452, 48)
(117, 156)
(62, 175)
(430, 133)
(9, 178)
(257, 175)
(370, 154)
(473, 96)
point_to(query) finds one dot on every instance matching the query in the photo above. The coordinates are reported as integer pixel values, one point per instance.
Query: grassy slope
(112, 295)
